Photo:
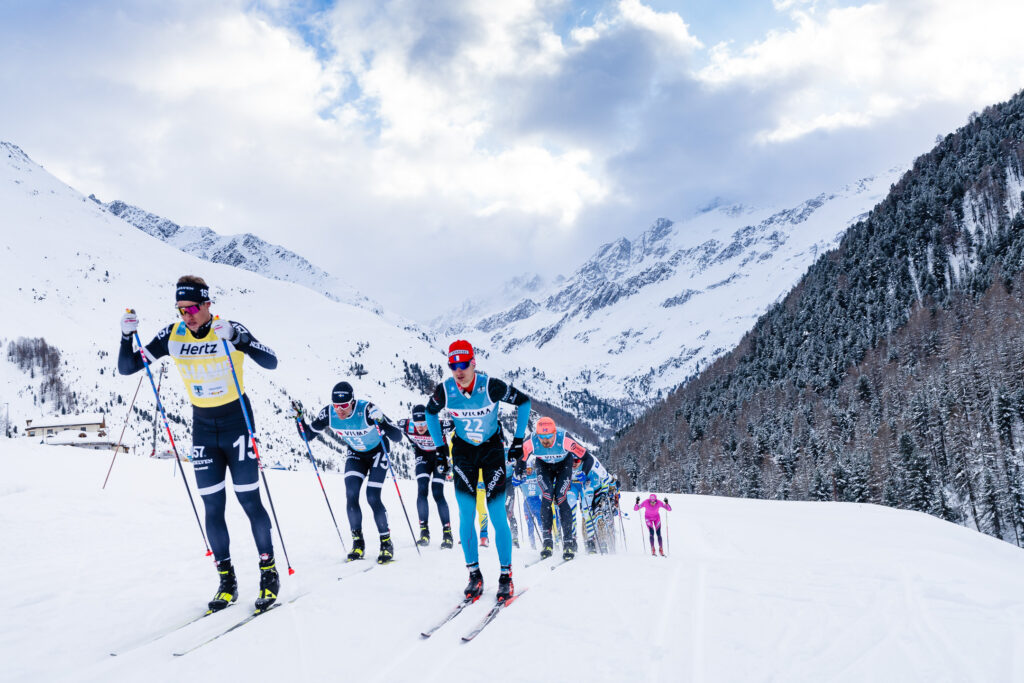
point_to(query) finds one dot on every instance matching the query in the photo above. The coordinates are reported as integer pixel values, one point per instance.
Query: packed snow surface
(751, 591)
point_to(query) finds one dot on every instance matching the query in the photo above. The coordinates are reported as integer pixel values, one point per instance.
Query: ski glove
(225, 330)
(375, 414)
(666, 500)
(515, 451)
(520, 468)
(638, 500)
(129, 323)
(297, 407)
(444, 464)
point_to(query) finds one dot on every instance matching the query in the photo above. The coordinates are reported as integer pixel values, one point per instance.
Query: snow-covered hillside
(642, 315)
(69, 268)
(751, 591)
(242, 251)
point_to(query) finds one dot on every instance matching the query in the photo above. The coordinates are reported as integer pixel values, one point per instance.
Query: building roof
(65, 421)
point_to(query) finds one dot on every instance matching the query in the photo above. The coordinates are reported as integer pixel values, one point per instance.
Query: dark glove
(638, 500)
(666, 500)
(520, 466)
(297, 407)
(515, 451)
(443, 460)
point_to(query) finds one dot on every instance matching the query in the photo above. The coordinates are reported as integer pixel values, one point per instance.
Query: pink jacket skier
(652, 516)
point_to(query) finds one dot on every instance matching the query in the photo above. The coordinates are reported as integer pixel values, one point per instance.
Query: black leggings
(220, 444)
(372, 466)
(430, 476)
(554, 479)
(655, 530)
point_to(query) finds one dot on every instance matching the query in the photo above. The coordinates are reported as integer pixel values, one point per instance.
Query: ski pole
(118, 446)
(255, 449)
(170, 437)
(622, 527)
(298, 420)
(668, 546)
(401, 501)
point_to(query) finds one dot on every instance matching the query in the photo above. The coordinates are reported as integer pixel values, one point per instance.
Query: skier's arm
(319, 424)
(435, 405)
(374, 414)
(497, 390)
(129, 362)
(243, 340)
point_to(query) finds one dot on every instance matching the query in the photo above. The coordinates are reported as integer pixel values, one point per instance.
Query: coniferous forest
(893, 373)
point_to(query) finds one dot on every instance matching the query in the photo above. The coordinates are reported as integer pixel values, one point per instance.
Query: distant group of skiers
(455, 434)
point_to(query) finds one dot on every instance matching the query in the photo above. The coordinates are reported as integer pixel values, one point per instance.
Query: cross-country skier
(365, 430)
(652, 516)
(471, 399)
(553, 451)
(595, 492)
(431, 469)
(530, 488)
(220, 438)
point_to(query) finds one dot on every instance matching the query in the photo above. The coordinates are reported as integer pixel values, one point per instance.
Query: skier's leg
(423, 472)
(374, 484)
(210, 466)
(561, 483)
(437, 486)
(355, 471)
(493, 470)
(245, 479)
(465, 471)
(545, 477)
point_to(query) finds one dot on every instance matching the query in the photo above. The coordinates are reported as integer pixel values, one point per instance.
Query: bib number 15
(242, 445)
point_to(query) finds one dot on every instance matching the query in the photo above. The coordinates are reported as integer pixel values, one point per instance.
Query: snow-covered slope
(242, 251)
(751, 591)
(641, 315)
(69, 268)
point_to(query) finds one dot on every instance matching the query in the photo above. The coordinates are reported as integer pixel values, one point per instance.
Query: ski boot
(661, 551)
(270, 584)
(546, 551)
(358, 546)
(387, 550)
(475, 587)
(446, 537)
(515, 541)
(227, 591)
(505, 587)
(653, 554)
(424, 535)
(569, 550)
(484, 541)
(591, 548)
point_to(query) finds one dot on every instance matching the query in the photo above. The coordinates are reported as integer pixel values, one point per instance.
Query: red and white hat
(460, 351)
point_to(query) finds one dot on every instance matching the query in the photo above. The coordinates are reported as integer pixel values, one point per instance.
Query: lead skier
(471, 399)
(220, 438)
(432, 467)
(365, 430)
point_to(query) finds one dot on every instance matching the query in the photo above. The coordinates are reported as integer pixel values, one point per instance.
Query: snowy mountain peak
(246, 251)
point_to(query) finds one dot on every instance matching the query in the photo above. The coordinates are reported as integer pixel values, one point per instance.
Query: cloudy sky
(427, 150)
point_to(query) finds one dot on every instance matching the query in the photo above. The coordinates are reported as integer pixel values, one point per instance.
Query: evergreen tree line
(891, 374)
(36, 357)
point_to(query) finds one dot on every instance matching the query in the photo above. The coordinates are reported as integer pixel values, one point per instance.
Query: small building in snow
(95, 440)
(90, 423)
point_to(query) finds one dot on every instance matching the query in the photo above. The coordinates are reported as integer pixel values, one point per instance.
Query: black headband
(191, 292)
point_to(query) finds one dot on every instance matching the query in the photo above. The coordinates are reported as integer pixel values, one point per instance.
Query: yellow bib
(204, 368)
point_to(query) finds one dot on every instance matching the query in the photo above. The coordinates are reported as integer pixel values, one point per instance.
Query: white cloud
(857, 65)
